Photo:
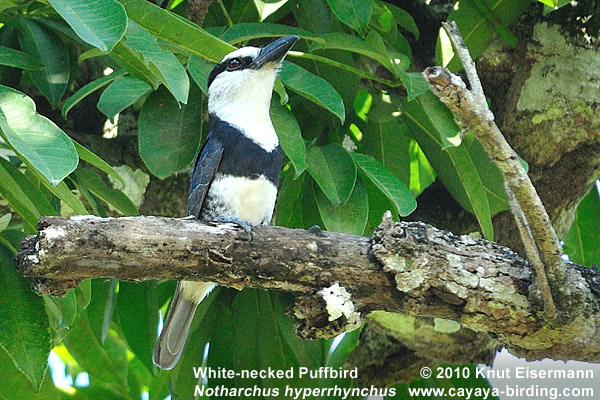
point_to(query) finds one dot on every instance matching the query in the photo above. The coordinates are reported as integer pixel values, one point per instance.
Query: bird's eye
(234, 63)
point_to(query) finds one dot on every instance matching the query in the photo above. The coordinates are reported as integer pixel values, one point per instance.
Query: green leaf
(24, 327)
(63, 192)
(248, 31)
(313, 15)
(46, 47)
(289, 201)
(88, 89)
(414, 83)
(169, 135)
(122, 93)
(388, 143)
(314, 88)
(350, 217)
(345, 41)
(582, 243)
(99, 23)
(199, 70)
(388, 183)
(454, 167)
(290, 136)
(354, 13)
(133, 62)
(331, 166)
(101, 307)
(16, 386)
(18, 59)
(440, 117)
(490, 174)
(39, 142)
(84, 292)
(161, 62)
(24, 197)
(404, 19)
(176, 30)
(116, 198)
(4, 221)
(97, 162)
(91, 355)
(477, 29)
(137, 305)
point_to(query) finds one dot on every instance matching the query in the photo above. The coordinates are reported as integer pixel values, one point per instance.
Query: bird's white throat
(243, 99)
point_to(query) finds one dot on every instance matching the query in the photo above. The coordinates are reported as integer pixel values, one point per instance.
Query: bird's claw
(245, 225)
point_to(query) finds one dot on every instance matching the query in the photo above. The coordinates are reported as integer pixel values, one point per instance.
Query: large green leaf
(388, 183)
(404, 19)
(16, 386)
(24, 328)
(332, 167)
(345, 41)
(354, 13)
(122, 93)
(161, 62)
(92, 159)
(46, 47)
(100, 23)
(490, 174)
(388, 143)
(176, 30)
(289, 135)
(314, 88)
(91, 354)
(137, 305)
(41, 144)
(247, 31)
(116, 198)
(454, 166)
(479, 25)
(313, 15)
(199, 69)
(23, 195)
(18, 59)
(440, 117)
(350, 217)
(133, 62)
(582, 243)
(101, 307)
(88, 89)
(289, 201)
(169, 134)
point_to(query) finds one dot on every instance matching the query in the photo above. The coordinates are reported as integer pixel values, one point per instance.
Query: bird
(236, 173)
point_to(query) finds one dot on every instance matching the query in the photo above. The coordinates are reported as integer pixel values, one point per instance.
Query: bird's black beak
(274, 52)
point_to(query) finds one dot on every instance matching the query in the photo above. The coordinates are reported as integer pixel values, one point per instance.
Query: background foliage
(360, 132)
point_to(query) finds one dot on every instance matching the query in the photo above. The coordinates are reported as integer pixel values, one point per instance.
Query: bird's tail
(176, 328)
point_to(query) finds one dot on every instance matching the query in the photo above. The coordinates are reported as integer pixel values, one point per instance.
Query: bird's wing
(205, 168)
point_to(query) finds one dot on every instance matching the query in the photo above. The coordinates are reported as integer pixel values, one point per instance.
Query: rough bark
(409, 268)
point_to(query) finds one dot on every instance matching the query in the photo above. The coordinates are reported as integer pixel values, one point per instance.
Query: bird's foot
(245, 225)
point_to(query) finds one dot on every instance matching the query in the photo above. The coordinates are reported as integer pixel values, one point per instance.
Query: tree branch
(406, 267)
(471, 110)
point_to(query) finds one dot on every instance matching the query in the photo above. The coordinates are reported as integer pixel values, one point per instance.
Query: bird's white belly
(252, 200)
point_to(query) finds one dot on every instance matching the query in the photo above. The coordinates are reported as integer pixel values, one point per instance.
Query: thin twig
(473, 114)
(532, 252)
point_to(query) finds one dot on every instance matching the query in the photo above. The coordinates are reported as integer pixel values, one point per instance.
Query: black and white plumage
(237, 170)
